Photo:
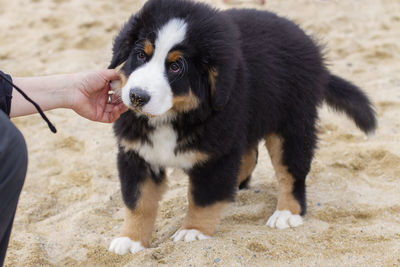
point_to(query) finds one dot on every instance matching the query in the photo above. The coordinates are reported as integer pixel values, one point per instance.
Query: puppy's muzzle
(138, 97)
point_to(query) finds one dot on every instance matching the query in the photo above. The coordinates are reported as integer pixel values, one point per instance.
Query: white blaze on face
(151, 76)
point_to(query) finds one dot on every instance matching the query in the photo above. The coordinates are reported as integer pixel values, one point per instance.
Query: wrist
(57, 91)
(66, 89)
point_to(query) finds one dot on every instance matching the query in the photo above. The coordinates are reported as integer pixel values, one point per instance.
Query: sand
(71, 207)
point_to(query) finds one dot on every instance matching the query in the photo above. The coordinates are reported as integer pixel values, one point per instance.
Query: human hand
(89, 97)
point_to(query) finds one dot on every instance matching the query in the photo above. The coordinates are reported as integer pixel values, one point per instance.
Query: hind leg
(248, 164)
(291, 156)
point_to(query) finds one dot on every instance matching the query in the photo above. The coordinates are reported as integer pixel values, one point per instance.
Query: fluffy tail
(344, 96)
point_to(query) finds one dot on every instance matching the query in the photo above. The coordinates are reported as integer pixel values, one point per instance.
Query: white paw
(123, 245)
(282, 219)
(188, 235)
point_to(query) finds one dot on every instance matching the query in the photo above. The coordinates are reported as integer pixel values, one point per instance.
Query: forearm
(86, 93)
(49, 92)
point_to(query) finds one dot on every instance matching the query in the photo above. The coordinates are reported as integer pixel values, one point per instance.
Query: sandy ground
(71, 208)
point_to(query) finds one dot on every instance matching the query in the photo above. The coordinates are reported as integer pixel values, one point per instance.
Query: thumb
(109, 74)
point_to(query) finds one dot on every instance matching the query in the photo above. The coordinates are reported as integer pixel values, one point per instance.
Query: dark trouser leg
(13, 165)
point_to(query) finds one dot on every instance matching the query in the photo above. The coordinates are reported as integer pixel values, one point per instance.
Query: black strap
(51, 126)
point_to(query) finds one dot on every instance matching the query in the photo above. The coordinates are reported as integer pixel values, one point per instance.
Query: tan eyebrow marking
(148, 48)
(174, 55)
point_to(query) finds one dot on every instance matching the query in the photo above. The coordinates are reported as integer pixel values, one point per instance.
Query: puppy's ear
(222, 81)
(222, 59)
(125, 40)
(218, 100)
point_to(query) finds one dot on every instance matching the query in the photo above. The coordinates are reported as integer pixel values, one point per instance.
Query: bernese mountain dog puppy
(204, 87)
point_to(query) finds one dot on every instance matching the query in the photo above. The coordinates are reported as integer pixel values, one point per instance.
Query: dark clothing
(13, 165)
(5, 95)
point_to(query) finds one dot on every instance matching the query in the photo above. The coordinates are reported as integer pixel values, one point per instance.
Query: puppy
(204, 87)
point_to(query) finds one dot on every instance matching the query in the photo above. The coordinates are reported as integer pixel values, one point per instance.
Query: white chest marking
(162, 151)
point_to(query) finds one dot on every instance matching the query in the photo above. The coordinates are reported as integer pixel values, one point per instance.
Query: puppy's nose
(139, 97)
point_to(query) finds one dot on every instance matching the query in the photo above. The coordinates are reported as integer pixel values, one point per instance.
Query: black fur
(245, 183)
(133, 171)
(271, 79)
(345, 96)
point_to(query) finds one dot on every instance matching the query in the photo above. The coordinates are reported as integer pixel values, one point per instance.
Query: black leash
(51, 126)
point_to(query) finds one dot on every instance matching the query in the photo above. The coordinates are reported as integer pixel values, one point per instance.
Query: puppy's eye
(141, 56)
(175, 67)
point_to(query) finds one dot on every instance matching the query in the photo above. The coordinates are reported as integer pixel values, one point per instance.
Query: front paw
(188, 235)
(123, 245)
(282, 219)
